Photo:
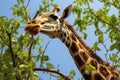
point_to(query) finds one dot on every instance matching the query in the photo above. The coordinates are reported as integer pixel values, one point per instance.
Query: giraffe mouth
(33, 29)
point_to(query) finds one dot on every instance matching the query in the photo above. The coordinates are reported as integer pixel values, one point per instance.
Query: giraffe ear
(67, 11)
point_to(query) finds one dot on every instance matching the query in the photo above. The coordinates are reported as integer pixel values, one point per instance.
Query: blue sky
(57, 51)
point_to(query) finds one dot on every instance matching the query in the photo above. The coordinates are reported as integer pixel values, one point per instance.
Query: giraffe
(56, 26)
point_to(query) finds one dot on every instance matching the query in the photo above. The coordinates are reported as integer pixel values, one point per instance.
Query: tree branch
(30, 48)
(12, 54)
(46, 47)
(43, 53)
(106, 51)
(28, 2)
(10, 47)
(27, 16)
(112, 3)
(102, 19)
(1, 52)
(52, 71)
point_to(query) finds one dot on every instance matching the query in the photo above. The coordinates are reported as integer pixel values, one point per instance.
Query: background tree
(20, 53)
(106, 24)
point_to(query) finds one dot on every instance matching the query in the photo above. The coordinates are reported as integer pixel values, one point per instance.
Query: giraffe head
(49, 24)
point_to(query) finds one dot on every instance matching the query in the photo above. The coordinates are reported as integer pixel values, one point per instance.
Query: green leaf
(45, 58)
(95, 46)
(117, 64)
(113, 20)
(49, 65)
(91, 1)
(72, 72)
(40, 50)
(38, 57)
(40, 39)
(22, 66)
(59, 78)
(101, 38)
(89, 68)
(85, 35)
(114, 57)
(115, 46)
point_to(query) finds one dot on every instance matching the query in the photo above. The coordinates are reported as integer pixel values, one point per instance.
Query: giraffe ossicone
(55, 26)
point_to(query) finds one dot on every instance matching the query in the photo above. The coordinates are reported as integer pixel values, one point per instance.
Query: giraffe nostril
(33, 22)
(42, 23)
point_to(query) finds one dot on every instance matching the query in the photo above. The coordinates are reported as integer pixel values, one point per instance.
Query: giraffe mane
(92, 53)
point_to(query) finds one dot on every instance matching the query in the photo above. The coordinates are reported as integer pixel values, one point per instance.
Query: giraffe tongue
(32, 29)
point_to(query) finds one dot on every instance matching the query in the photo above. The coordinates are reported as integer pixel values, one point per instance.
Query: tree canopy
(20, 52)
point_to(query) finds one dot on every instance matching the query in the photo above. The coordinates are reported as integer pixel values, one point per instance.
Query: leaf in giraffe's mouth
(33, 29)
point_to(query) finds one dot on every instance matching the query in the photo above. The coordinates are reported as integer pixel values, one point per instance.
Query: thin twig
(106, 51)
(30, 48)
(46, 47)
(1, 52)
(44, 53)
(28, 2)
(112, 4)
(27, 17)
(53, 71)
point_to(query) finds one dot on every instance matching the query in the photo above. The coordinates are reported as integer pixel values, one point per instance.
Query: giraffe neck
(83, 56)
(79, 53)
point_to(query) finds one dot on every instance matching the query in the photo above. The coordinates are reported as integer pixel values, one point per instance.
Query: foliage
(105, 20)
(20, 53)
(89, 68)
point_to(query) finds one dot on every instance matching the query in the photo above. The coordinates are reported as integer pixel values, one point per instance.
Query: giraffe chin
(32, 29)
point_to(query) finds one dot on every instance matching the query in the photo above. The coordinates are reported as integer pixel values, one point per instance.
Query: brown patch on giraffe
(63, 40)
(114, 78)
(80, 46)
(74, 48)
(73, 37)
(84, 55)
(97, 76)
(115, 72)
(62, 37)
(79, 60)
(94, 63)
(103, 71)
(94, 55)
(82, 70)
(68, 42)
(87, 77)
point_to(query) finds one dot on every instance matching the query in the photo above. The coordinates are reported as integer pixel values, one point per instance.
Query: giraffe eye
(53, 16)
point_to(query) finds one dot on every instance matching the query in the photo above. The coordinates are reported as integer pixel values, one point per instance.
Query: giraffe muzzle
(32, 29)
